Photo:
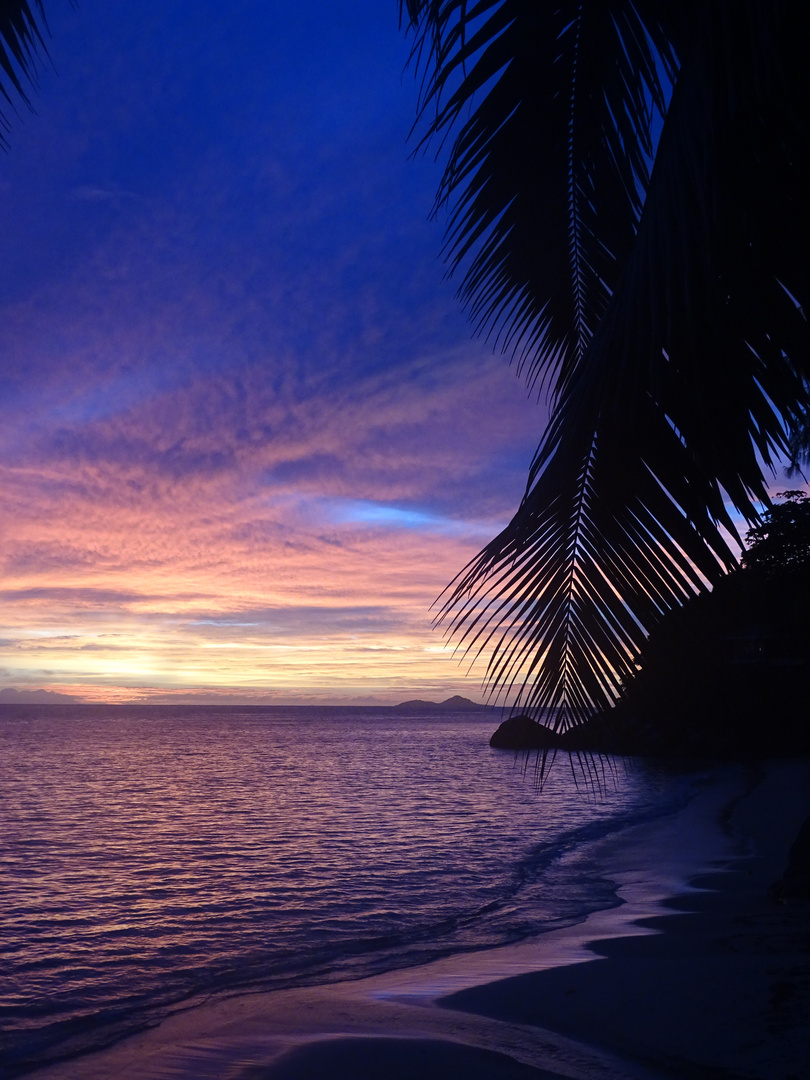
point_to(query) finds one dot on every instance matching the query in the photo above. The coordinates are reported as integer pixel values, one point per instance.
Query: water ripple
(148, 856)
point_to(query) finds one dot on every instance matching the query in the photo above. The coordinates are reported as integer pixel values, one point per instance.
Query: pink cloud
(186, 542)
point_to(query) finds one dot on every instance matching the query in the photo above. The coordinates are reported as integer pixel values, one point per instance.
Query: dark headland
(723, 678)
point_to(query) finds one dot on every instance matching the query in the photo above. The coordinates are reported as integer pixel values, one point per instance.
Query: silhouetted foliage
(21, 41)
(781, 543)
(653, 285)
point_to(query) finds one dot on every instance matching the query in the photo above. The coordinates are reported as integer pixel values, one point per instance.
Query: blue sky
(247, 435)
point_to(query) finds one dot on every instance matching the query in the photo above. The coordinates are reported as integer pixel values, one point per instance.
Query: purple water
(153, 856)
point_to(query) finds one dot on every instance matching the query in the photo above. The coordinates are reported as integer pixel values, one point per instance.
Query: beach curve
(697, 971)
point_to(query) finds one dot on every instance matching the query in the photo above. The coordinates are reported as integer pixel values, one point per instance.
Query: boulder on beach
(599, 735)
(522, 733)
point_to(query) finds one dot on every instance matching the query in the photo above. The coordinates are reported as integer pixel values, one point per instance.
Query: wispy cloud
(245, 438)
(97, 193)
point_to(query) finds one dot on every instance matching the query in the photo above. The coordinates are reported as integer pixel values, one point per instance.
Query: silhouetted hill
(451, 704)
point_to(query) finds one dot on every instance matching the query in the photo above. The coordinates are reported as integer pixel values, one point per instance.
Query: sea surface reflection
(152, 856)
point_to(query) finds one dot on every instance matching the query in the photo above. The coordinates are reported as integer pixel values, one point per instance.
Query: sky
(247, 434)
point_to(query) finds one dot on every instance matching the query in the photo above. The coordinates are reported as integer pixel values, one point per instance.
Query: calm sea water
(153, 856)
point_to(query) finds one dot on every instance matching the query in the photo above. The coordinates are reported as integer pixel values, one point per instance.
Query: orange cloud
(224, 539)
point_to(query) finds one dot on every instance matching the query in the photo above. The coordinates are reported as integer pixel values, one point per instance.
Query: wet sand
(698, 973)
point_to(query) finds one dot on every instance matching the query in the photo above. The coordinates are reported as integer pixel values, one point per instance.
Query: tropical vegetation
(21, 42)
(625, 190)
(780, 544)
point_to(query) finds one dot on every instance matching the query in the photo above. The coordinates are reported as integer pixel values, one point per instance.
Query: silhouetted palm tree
(21, 41)
(627, 187)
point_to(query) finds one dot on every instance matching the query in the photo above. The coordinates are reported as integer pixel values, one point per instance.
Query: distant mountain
(452, 704)
(10, 696)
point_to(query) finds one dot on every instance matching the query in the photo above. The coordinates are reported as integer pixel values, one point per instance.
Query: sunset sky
(247, 435)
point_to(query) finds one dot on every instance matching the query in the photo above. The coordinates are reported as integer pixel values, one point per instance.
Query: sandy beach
(698, 973)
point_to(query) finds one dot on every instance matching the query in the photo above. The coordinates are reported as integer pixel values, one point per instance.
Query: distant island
(452, 704)
(10, 696)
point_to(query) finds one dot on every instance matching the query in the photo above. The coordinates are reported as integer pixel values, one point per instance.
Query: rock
(600, 735)
(522, 733)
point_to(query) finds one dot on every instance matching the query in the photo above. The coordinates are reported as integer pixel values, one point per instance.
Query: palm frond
(676, 337)
(549, 169)
(598, 553)
(21, 42)
(799, 439)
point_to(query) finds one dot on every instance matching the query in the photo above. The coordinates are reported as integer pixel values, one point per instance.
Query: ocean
(153, 857)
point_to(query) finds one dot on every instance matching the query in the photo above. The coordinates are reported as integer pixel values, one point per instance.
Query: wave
(149, 864)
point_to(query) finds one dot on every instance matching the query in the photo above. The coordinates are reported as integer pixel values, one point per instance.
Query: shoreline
(695, 971)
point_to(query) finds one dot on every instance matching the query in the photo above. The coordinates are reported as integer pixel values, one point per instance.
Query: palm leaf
(679, 353)
(21, 41)
(547, 198)
(800, 439)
